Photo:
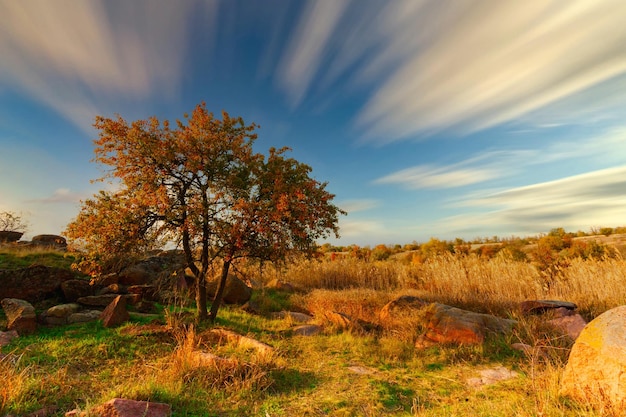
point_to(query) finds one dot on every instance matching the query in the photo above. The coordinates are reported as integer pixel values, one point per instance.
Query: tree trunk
(201, 298)
(217, 300)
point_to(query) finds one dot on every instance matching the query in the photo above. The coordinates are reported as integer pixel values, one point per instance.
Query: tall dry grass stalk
(489, 285)
(13, 382)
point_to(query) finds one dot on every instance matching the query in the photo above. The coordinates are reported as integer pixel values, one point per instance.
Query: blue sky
(428, 118)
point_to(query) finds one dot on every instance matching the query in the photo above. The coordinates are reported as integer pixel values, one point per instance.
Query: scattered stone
(236, 291)
(105, 280)
(446, 324)
(119, 407)
(106, 299)
(115, 313)
(20, 314)
(244, 342)
(293, 316)
(401, 306)
(138, 274)
(361, 370)
(7, 337)
(84, 316)
(33, 284)
(307, 330)
(491, 376)
(569, 325)
(57, 315)
(74, 289)
(541, 306)
(111, 289)
(596, 369)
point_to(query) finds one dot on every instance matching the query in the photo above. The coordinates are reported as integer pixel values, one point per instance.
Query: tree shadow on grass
(292, 380)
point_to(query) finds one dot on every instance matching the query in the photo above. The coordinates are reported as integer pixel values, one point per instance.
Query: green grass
(16, 258)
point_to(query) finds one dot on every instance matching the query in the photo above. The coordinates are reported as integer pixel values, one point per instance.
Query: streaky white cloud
(74, 55)
(359, 228)
(426, 176)
(308, 46)
(576, 202)
(353, 206)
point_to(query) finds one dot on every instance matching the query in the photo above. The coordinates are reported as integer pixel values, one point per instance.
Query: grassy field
(340, 372)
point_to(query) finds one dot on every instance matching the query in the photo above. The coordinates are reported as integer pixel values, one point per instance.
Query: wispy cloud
(54, 50)
(431, 67)
(353, 206)
(305, 52)
(576, 202)
(426, 176)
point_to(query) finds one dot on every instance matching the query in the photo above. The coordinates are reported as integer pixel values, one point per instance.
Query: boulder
(279, 285)
(294, 316)
(596, 369)
(138, 274)
(57, 315)
(119, 407)
(541, 306)
(145, 292)
(401, 306)
(115, 313)
(307, 330)
(84, 316)
(33, 284)
(236, 291)
(7, 236)
(106, 299)
(570, 325)
(20, 314)
(74, 289)
(50, 241)
(105, 280)
(446, 324)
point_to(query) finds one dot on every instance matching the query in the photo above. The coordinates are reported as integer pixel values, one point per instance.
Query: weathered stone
(9, 236)
(239, 340)
(137, 274)
(20, 314)
(293, 316)
(491, 376)
(7, 337)
(33, 284)
(119, 407)
(58, 315)
(115, 313)
(401, 306)
(541, 306)
(84, 316)
(105, 280)
(111, 289)
(74, 289)
(446, 324)
(106, 299)
(569, 325)
(236, 291)
(307, 330)
(145, 292)
(49, 240)
(596, 370)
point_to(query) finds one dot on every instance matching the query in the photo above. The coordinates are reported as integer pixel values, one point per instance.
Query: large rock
(20, 314)
(446, 324)
(84, 316)
(115, 313)
(55, 241)
(236, 291)
(119, 407)
(9, 236)
(596, 369)
(58, 315)
(74, 289)
(33, 284)
(106, 299)
(542, 306)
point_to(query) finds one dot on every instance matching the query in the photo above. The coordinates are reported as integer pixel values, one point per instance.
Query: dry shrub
(14, 382)
(594, 285)
(190, 364)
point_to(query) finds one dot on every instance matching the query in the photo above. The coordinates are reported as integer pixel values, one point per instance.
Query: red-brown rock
(20, 314)
(115, 313)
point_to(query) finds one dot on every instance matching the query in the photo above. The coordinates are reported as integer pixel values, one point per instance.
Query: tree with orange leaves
(200, 185)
